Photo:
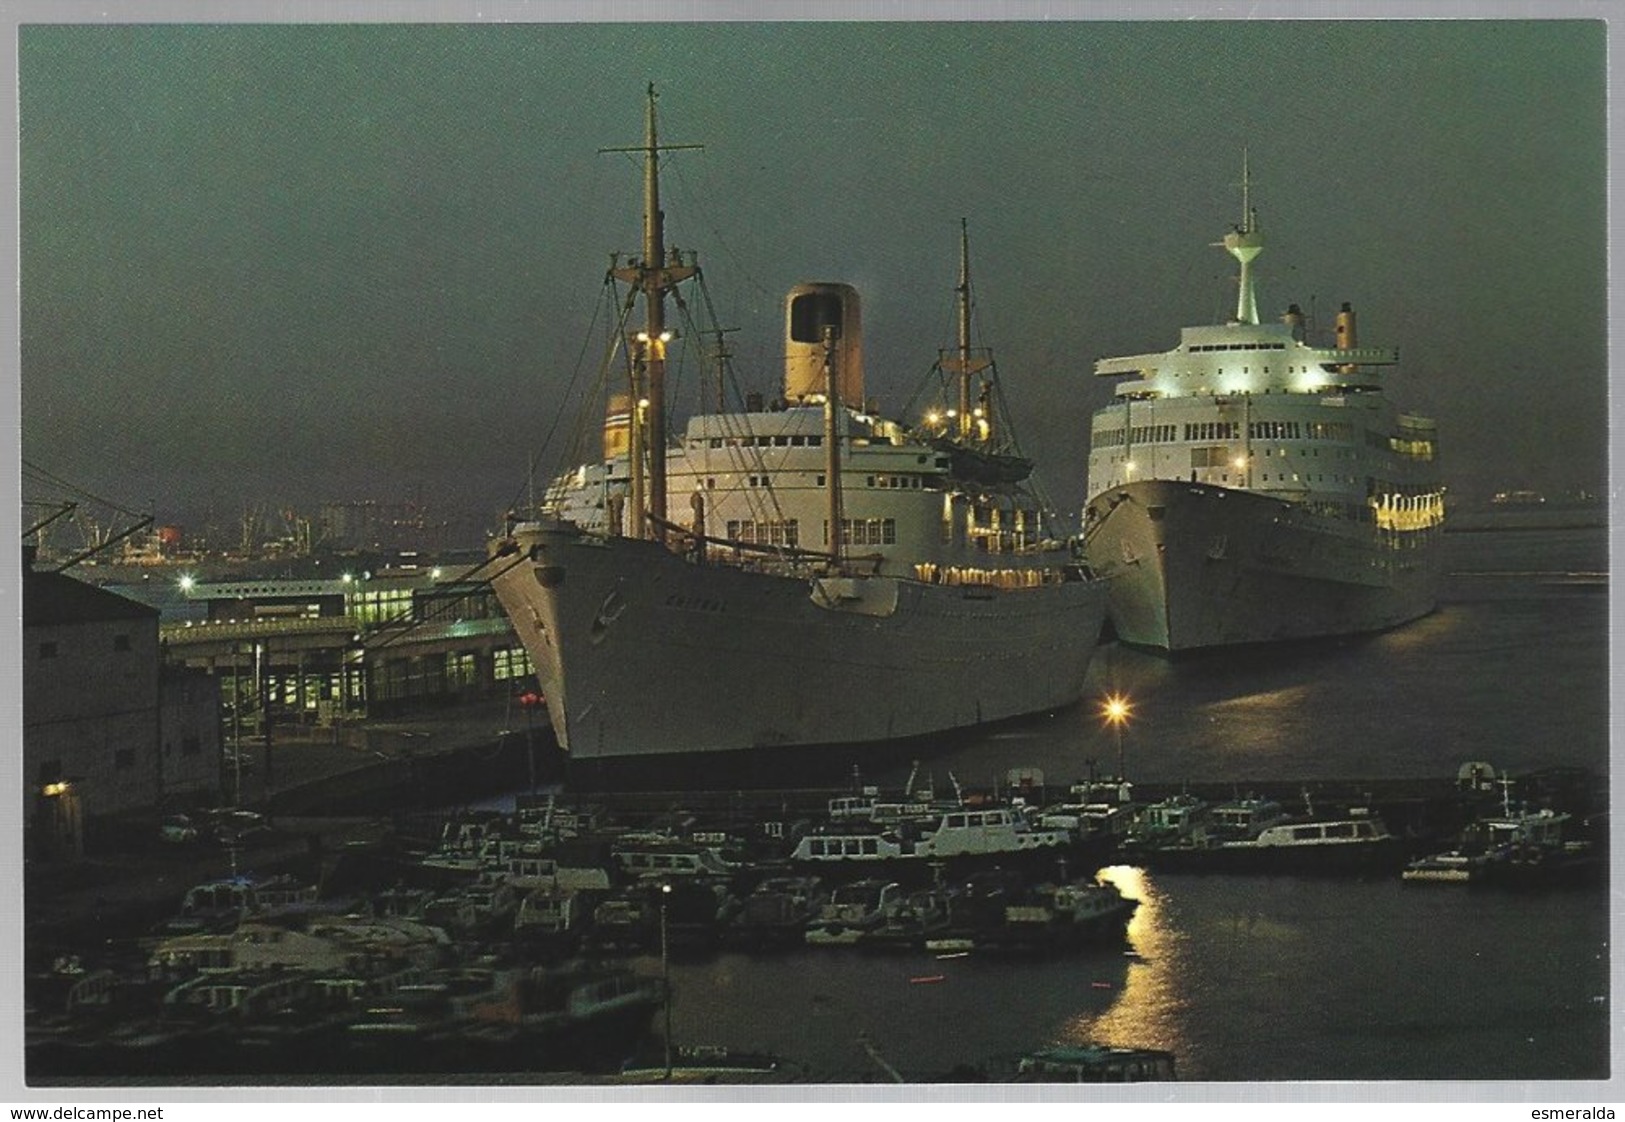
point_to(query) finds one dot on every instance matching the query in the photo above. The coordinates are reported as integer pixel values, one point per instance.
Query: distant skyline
(305, 263)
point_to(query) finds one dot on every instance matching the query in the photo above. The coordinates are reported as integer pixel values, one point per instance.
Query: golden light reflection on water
(1288, 699)
(1150, 1008)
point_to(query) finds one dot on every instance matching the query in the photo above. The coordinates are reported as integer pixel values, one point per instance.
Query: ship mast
(1245, 243)
(963, 364)
(832, 446)
(653, 275)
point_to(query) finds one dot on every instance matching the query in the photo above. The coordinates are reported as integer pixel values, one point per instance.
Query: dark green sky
(298, 263)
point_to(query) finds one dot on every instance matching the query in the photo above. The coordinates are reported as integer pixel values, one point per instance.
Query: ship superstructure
(1250, 486)
(803, 573)
(914, 501)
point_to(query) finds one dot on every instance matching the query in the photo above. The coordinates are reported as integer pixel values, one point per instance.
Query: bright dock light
(1116, 709)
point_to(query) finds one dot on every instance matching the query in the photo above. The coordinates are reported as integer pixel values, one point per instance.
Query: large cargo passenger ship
(804, 573)
(1250, 485)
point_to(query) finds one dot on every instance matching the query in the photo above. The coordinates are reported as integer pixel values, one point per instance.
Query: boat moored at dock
(1256, 836)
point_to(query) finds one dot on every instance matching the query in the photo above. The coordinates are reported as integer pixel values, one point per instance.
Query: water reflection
(1151, 1009)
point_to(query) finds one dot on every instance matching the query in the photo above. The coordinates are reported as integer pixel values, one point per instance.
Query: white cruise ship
(1251, 486)
(694, 599)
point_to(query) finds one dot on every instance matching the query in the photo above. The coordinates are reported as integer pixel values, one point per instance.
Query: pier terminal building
(140, 694)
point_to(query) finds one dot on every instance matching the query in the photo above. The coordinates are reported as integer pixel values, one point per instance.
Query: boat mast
(963, 293)
(963, 364)
(1245, 243)
(832, 445)
(653, 275)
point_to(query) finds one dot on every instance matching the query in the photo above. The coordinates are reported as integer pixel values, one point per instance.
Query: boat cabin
(1347, 831)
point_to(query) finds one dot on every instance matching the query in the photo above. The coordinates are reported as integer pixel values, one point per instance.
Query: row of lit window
(786, 532)
(1238, 347)
(879, 482)
(510, 662)
(866, 531)
(760, 442)
(1256, 430)
(1138, 434)
(1212, 430)
(1415, 449)
(843, 847)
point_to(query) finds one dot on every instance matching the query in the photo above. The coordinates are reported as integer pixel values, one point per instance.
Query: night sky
(336, 262)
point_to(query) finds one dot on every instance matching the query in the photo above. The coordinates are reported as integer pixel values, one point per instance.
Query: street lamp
(665, 973)
(1115, 710)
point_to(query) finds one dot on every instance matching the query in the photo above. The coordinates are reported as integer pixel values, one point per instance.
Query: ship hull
(641, 652)
(1192, 566)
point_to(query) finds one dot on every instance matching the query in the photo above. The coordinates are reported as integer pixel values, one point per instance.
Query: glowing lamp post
(665, 973)
(1115, 711)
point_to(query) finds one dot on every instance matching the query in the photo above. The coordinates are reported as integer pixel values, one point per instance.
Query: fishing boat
(1250, 486)
(797, 573)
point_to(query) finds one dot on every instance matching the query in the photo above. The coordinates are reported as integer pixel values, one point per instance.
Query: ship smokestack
(812, 312)
(1345, 327)
(1345, 334)
(618, 425)
(1294, 320)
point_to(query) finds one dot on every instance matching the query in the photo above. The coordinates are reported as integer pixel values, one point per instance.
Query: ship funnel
(1294, 320)
(1345, 327)
(1345, 334)
(808, 310)
(618, 425)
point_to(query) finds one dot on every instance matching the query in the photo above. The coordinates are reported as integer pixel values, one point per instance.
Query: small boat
(1098, 813)
(852, 911)
(220, 904)
(1086, 1063)
(909, 921)
(1516, 848)
(662, 857)
(961, 835)
(776, 912)
(552, 917)
(1163, 822)
(1357, 844)
(1001, 914)
(710, 1063)
(625, 921)
(1060, 916)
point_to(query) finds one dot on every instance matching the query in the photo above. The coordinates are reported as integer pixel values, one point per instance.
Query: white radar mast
(1244, 243)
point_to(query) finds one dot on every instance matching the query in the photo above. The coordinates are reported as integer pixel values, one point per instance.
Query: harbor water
(1258, 978)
